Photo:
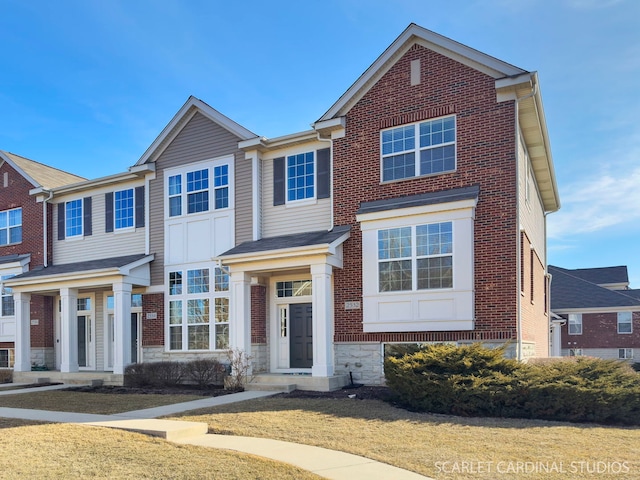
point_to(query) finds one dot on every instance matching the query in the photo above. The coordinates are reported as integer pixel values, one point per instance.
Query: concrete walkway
(326, 463)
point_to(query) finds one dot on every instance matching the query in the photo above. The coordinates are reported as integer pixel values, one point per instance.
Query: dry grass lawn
(73, 451)
(478, 448)
(85, 402)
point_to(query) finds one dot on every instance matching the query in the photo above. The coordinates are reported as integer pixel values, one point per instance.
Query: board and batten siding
(532, 219)
(201, 139)
(99, 244)
(290, 218)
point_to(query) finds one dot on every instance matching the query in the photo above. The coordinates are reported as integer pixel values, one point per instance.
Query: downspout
(330, 176)
(45, 225)
(519, 236)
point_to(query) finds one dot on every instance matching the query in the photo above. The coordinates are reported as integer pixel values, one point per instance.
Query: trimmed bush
(154, 374)
(477, 381)
(205, 372)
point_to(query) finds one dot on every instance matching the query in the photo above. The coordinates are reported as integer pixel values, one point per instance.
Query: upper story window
(73, 218)
(416, 257)
(300, 176)
(202, 190)
(625, 322)
(11, 226)
(423, 148)
(575, 324)
(303, 176)
(198, 191)
(7, 305)
(123, 208)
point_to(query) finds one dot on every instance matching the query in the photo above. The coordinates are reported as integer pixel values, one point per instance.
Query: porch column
(22, 302)
(240, 328)
(68, 330)
(121, 326)
(322, 301)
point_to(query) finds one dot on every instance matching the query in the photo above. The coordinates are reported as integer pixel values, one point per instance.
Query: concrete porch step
(270, 387)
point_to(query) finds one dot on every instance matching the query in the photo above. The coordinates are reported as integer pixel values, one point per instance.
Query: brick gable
(486, 152)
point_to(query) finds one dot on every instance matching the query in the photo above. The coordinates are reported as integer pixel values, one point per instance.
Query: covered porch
(296, 275)
(90, 331)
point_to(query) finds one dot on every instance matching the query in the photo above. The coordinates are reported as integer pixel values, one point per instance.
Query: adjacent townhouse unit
(601, 314)
(25, 244)
(414, 210)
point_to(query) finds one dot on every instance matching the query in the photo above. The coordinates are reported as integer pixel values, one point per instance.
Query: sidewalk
(326, 463)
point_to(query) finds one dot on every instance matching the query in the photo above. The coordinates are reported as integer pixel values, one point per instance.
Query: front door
(85, 341)
(135, 325)
(300, 336)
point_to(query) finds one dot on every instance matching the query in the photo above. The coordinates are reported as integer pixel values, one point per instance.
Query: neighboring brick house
(601, 314)
(24, 245)
(413, 211)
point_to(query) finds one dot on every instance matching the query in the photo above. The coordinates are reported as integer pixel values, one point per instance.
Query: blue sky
(87, 85)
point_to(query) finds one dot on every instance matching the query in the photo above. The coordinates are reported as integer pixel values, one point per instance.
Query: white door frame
(91, 340)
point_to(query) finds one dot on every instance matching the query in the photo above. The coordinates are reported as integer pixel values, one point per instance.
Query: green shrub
(154, 374)
(478, 381)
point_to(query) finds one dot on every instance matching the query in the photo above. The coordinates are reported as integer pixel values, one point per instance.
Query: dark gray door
(83, 340)
(134, 338)
(300, 336)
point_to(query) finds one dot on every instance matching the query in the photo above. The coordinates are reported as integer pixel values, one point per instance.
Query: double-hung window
(11, 226)
(625, 322)
(416, 257)
(575, 324)
(124, 208)
(300, 176)
(7, 305)
(198, 313)
(201, 190)
(198, 191)
(424, 148)
(73, 218)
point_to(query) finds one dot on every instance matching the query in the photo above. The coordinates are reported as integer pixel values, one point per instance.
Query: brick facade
(152, 328)
(600, 330)
(258, 314)
(486, 152)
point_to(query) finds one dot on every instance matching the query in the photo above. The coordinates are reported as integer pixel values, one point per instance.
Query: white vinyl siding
(99, 244)
(286, 219)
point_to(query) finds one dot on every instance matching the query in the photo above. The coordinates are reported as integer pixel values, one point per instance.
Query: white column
(121, 326)
(322, 301)
(22, 302)
(240, 321)
(68, 330)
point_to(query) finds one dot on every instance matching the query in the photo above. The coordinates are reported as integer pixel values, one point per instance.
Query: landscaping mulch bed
(356, 393)
(181, 390)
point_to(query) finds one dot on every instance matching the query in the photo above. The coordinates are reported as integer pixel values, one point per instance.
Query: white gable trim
(5, 158)
(428, 39)
(178, 122)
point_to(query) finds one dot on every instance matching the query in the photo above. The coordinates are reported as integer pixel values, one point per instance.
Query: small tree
(240, 364)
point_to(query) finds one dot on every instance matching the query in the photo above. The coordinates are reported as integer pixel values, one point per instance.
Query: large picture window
(11, 226)
(424, 148)
(415, 258)
(192, 323)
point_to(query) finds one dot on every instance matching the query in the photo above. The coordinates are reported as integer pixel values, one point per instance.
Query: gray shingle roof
(13, 258)
(283, 242)
(433, 198)
(603, 275)
(569, 290)
(89, 265)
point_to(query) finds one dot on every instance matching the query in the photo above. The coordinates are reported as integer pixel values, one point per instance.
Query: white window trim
(625, 351)
(576, 316)
(630, 322)
(66, 219)
(117, 229)
(209, 165)
(8, 227)
(184, 297)
(417, 150)
(420, 310)
(10, 357)
(302, 201)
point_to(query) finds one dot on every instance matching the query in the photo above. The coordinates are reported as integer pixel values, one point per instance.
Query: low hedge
(203, 372)
(477, 381)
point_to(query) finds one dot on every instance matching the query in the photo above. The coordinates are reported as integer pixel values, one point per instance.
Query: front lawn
(440, 446)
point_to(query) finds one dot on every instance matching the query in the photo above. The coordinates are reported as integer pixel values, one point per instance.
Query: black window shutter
(139, 199)
(61, 230)
(88, 227)
(108, 212)
(324, 173)
(279, 189)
